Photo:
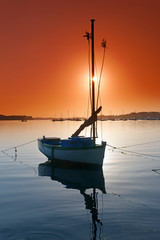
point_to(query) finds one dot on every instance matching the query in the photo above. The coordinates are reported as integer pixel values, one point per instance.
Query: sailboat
(78, 149)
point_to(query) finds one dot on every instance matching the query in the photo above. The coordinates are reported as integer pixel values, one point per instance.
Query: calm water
(38, 201)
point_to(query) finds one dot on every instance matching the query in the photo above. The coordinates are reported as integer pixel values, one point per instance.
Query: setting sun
(95, 79)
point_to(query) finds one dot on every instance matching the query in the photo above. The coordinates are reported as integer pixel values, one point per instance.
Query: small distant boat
(24, 120)
(58, 119)
(78, 149)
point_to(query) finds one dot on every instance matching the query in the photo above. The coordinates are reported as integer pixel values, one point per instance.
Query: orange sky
(44, 57)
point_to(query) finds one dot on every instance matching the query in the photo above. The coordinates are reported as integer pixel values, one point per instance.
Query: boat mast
(93, 86)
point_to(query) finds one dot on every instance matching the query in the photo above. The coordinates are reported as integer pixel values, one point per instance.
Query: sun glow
(95, 79)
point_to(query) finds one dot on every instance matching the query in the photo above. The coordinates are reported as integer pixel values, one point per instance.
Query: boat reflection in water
(81, 179)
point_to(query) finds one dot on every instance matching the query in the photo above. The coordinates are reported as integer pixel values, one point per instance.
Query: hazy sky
(44, 57)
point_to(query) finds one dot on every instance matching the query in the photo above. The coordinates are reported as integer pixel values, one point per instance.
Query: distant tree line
(133, 116)
(16, 117)
(129, 116)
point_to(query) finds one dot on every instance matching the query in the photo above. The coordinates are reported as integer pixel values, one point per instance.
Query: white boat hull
(86, 155)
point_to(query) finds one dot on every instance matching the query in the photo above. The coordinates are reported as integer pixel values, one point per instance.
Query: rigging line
(133, 152)
(15, 147)
(96, 94)
(100, 77)
(140, 144)
(87, 114)
(89, 81)
(101, 120)
(89, 63)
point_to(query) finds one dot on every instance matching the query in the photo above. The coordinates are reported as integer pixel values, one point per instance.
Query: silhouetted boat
(76, 148)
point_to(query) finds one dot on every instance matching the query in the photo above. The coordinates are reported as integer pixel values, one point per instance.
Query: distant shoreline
(15, 117)
(123, 117)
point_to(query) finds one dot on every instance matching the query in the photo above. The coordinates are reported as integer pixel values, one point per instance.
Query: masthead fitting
(87, 35)
(104, 43)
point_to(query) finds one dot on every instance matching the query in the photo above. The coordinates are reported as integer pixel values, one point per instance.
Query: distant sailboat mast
(93, 85)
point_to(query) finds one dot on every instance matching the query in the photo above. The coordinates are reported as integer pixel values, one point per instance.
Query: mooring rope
(122, 150)
(15, 147)
(156, 171)
(139, 144)
(15, 156)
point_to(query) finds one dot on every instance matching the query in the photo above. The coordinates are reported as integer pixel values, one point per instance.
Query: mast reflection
(81, 179)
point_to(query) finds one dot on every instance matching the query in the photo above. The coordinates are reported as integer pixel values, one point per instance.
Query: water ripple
(8, 234)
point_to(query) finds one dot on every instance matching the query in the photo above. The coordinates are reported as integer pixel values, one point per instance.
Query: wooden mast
(93, 86)
(93, 118)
